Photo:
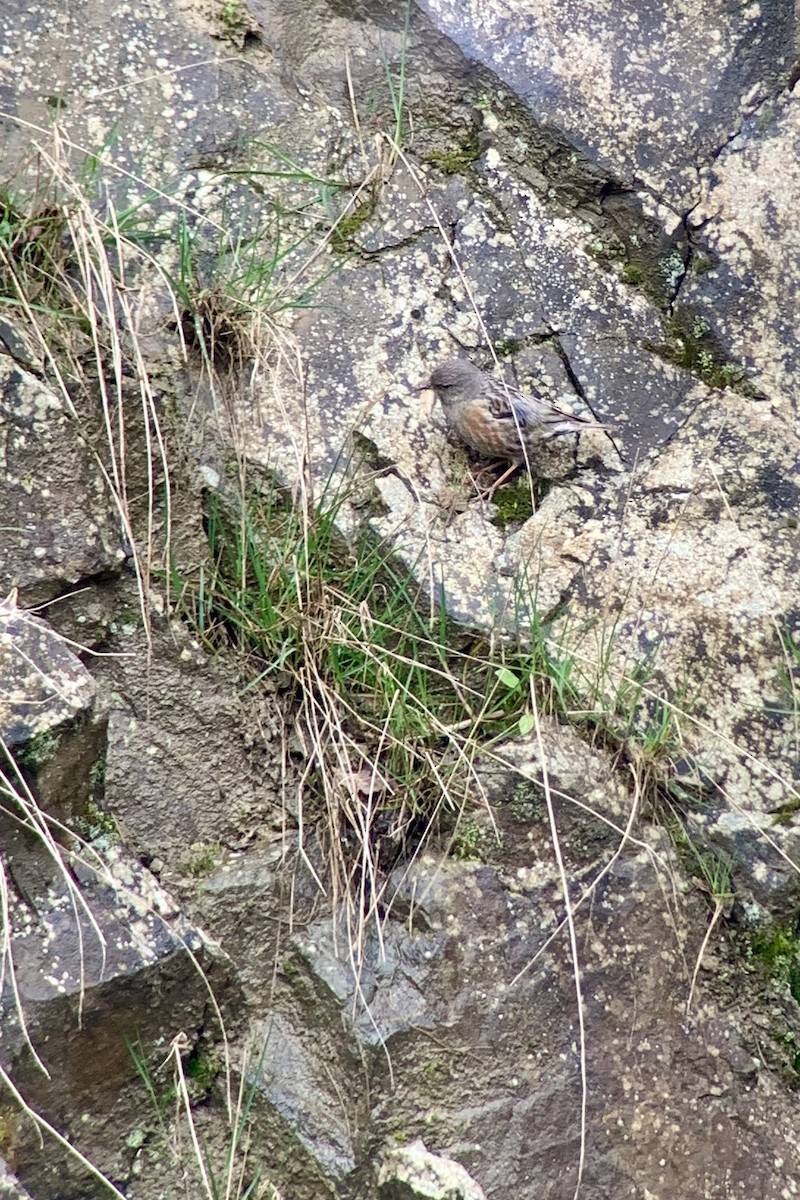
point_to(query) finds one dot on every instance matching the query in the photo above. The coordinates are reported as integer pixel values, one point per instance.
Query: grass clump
(31, 253)
(634, 711)
(777, 951)
(789, 674)
(231, 295)
(393, 701)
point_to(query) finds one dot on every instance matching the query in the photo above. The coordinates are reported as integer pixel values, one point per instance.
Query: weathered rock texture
(668, 574)
(652, 90)
(44, 684)
(746, 217)
(101, 967)
(59, 522)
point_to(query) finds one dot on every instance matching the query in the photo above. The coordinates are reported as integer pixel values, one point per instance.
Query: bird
(497, 419)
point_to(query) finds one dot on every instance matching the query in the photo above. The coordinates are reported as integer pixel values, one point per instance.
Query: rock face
(504, 1015)
(10, 1188)
(44, 684)
(653, 90)
(621, 232)
(694, 591)
(412, 1171)
(59, 523)
(102, 968)
(745, 215)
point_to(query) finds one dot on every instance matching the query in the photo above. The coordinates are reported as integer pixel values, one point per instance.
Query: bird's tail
(556, 423)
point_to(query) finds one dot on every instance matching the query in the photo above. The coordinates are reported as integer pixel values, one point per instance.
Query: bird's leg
(511, 471)
(477, 478)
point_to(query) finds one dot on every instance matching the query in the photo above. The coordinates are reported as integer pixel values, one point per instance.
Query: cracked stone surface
(652, 90)
(675, 565)
(103, 956)
(380, 326)
(59, 523)
(746, 216)
(695, 579)
(646, 1127)
(43, 683)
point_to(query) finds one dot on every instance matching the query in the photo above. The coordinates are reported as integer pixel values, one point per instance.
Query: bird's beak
(424, 387)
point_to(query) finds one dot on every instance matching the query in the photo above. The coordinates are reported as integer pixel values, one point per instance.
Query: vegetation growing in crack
(233, 17)
(606, 250)
(344, 231)
(393, 700)
(97, 824)
(777, 950)
(470, 840)
(789, 674)
(691, 344)
(459, 157)
(711, 869)
(701, 264)
(202, 860)
(507, 347)
(638, 265)
(632, 273)
(230, 293)
(39, 750)
(774, 951)
(516, 502)
(31, 253)
(190, 1074)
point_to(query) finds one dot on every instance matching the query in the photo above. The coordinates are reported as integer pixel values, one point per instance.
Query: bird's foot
(507, 475)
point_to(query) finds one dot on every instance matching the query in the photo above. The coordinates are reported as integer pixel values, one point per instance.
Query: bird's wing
(508, 404)
(530, 412)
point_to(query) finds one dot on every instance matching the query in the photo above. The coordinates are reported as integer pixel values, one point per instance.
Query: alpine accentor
(496, 419)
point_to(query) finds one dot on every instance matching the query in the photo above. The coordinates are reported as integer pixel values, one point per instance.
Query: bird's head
(455, 382)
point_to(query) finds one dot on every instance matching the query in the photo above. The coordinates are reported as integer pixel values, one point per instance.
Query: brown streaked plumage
(496, 419)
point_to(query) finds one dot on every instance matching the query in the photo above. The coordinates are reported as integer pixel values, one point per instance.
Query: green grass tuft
(777, 950)
(395, 699)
